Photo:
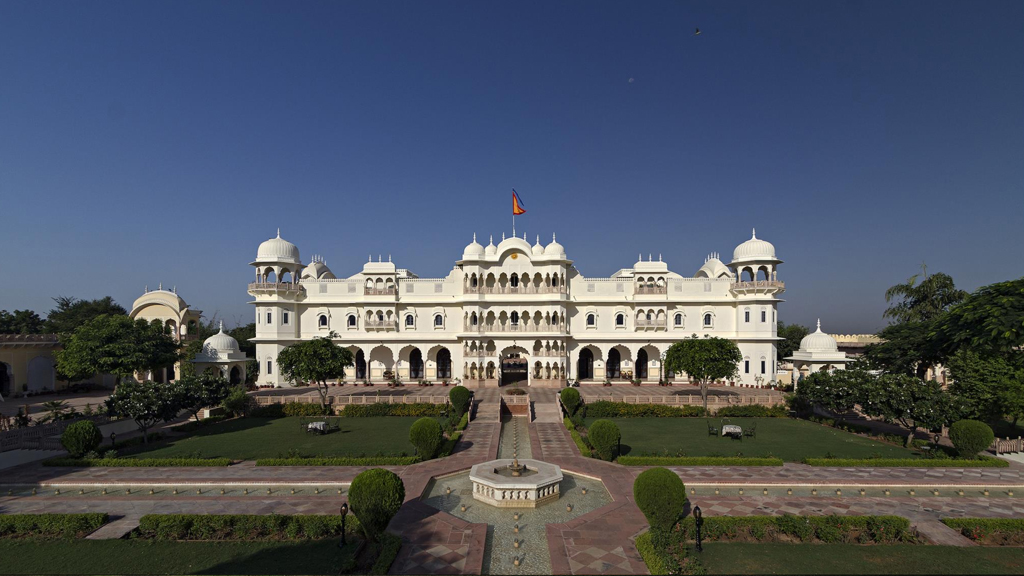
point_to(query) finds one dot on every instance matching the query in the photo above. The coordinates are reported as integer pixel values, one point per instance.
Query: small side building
(818, 351)
(221, 355)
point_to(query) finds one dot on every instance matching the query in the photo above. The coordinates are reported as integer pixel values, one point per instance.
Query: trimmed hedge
(340, 461)
(241, 527)
(609, 409)
(570, 398)
(604, 436)
(460, 396)
(382, 409)
(81, 437)
(654, 557)
(990, 531)
(426, 435)
(660, 495)
(826, 529)
(754, 411)
(453, 439)
(983, 462)
(697, 461)
(136, 462)
(50, 526)
(305, 409)
(375, 496)
(389, 547)
(970, 437)
(580, 441)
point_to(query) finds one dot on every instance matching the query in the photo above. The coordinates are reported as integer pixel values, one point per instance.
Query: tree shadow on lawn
(309, 557)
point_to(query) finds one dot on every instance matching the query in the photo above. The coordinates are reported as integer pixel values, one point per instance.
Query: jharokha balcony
(387, 291)
(521, 289)
(381, 325)
(758, 286)
(520, 327)
(654, 324)
(651, 289)
(287, 288)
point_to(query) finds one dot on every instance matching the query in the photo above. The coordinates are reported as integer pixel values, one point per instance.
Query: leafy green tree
(989, 321)
(909, 402)
(791, 335)
(905, 349)
(193, 393)
(923, 301)
(705, 360)
(71, 313)
(114, 345)
(317, 361)
(990, 385)
(144, 402)
(837, 391)
(20, 322)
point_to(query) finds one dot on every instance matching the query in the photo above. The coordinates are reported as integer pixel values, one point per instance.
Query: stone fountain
(515, 483)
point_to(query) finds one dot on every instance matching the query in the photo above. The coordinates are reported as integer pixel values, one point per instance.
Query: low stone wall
(42, 437)
(352, 399)
(518, 405)
(689, 399)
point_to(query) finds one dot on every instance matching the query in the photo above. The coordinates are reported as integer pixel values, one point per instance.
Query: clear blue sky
(146, 142)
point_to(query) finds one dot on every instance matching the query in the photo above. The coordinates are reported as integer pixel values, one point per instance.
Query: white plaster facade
(818, 351)
(516, 300)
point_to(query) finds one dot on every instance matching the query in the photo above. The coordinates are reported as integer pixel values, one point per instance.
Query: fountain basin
(494, 486)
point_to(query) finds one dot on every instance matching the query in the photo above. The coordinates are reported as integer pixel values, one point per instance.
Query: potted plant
(607, 382)
(635, 381)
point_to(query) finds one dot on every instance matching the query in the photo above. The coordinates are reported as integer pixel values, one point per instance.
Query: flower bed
(136, 462)
(697, 461)
(50, 526)
(990, 531)
(983, 462)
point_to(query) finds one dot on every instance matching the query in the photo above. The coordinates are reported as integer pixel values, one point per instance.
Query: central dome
(219, 343)
(818, 341)
(278, 250)
(473, 250)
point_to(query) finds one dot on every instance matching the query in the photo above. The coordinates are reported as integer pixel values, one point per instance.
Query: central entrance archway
(515, 366)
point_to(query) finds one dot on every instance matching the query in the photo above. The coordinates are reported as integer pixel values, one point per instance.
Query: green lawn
(743, 558)
(786, 438)
(150, 557)
(252, 438)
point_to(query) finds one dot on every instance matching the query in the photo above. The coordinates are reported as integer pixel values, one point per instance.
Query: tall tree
(70, 313)
(992, 388)
(909, 402)
(905, 348)
(922, 302)
(316, 361)
(20, 322)
(705, 360)
(114, 345)
(193, 393)
(791, 335)
(989, 321)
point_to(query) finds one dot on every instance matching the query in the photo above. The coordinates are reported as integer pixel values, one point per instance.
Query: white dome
(713, 268)
(754, 249)
(317, 270)
(278, 250)
(219, 344)
(818, 341)
(491, 249)
(538, 249)
(555, 249)
(473, 250)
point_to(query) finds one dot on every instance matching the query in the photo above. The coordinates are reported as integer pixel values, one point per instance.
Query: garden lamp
(344, 512)
(113, 435)
(698, 520)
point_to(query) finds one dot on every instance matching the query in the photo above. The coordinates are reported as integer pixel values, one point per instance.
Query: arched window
(380, 316)
(614, 361)
(678, 320)
(352, 320)
(360, 365)
(554, 280)
(438, 320)
(473, 319)
(620, 319)
(585, 366)
(591, 320)
(746, 315)
(514, 281)
(444, 363)
(764, 316)
(641, 364)
(746, 366)
(707, 319)
(270, 366)
(416, 363)
(322, 320)
(409, 320)
(648, 316)
(514, 317)
(473, 281)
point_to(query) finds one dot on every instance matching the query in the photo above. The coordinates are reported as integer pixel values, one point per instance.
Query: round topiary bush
(570, 399)
(375, 497)
(604, 437)
(425, 435)
(970, 437)
(459, 397)
(660, 495)
(81, 437)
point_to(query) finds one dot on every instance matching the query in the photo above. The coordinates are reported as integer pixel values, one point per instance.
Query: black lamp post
(344, 512)
(113, 435)
(699, 521)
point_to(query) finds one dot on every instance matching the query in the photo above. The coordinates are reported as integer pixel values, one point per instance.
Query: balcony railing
(649, 324)
(274, 287)
(521, 289)
(380, 324)
(651, 289)
(758, 285)
(521, 327)
(379, 291)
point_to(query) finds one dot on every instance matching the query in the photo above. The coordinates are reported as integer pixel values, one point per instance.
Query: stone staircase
(488, 405)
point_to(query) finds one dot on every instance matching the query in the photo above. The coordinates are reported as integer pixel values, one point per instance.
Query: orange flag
(517, 204)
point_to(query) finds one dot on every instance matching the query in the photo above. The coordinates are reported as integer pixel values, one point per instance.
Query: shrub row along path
(599, 542)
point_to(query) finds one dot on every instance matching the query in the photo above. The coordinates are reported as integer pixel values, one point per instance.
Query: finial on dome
(389, 258)
(659, 256)
(160, 286)
(819, 324)
(369, 257)
(222, 326)
(174, 289)
(650, 258)
(524, 237)
(474, 236)
(552, 236)
(491, 241)
(538, 238)
(279, 232)
(502, 236)
(146, 289)
(753, 233)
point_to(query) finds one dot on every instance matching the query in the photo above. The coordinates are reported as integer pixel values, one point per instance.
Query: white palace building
(516, 312)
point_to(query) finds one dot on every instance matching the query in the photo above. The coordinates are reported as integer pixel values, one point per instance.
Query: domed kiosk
(220, 354)
(818, 351)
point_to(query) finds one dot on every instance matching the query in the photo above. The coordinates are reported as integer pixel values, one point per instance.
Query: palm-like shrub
(375, 497)
(970, 437)
(604, 436)
(660, 495)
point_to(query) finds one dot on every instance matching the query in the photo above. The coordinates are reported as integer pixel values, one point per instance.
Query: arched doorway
(641, 364)
(444, 364)
(6, 382)
(415, 364)
(514, 368)
(614, 363)
(585, 366)
(360, 365)
(235, 377)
